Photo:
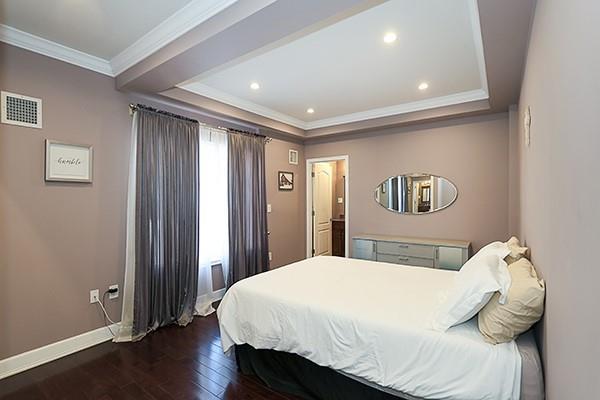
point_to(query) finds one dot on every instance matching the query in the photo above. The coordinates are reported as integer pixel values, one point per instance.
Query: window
(214, 232)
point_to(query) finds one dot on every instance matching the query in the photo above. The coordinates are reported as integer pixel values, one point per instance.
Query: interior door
(322, 208)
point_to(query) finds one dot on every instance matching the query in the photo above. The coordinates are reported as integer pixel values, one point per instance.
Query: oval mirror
(415, 193)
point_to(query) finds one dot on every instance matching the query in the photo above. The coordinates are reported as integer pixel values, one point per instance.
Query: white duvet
(369, 320)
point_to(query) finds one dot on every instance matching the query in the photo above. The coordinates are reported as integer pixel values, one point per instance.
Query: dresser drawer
(406, 249)
(405, 260)
(363, 249)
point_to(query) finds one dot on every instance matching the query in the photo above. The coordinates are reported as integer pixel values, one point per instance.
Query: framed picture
(286, 180)
(66, 162)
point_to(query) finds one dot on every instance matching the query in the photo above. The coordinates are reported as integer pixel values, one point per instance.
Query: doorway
(327, 206)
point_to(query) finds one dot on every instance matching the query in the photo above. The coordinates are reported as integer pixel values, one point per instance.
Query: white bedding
(370, 320)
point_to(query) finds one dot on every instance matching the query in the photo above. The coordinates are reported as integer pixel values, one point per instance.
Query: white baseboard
(33, 358)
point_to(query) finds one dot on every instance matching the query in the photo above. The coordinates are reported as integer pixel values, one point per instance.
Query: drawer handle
(404, 246)
(403, 258)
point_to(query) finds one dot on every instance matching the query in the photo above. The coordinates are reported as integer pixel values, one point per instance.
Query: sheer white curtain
(214, 236)
(126, 324)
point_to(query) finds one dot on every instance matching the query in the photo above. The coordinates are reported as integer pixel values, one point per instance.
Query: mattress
(370, 321)
(532, 375)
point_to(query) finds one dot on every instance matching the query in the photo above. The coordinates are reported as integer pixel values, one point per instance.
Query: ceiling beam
(437, 122)
(244, 28)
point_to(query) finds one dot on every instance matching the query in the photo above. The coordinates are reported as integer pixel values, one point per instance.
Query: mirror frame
(415, 174)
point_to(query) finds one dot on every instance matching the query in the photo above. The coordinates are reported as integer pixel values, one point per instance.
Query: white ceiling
(347, 73)
(102, 28)
(344, 71)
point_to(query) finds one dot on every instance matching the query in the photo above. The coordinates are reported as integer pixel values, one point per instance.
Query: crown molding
(223, 97)
(404, 108)
(478, 41)
(181, 22)
(421, 105)
(27, 41)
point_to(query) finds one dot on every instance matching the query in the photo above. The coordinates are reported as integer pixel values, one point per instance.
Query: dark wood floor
(171, 363)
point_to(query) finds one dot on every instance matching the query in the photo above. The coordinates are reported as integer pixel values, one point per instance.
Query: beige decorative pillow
(516, 251)
(500, 323)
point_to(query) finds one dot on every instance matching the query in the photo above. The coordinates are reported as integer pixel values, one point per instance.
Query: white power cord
(106, 314)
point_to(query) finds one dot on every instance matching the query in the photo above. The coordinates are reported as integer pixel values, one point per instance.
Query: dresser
(420, 252)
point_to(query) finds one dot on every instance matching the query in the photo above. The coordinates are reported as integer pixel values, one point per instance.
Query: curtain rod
(135, 107)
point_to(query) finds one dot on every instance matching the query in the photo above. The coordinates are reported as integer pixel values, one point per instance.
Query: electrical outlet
(340, 200)
(270, 256)
(94, 296)
(114, 295)
(268, 208)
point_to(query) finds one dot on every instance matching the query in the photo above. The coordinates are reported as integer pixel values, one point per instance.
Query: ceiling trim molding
(27, 41)
(478, 41)
(421, 105)
(223, 97)
(181, 22)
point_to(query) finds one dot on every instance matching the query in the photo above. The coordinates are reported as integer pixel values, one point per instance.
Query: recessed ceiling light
(390, 37)
(254, 86)
(310, 110)
(423, 85)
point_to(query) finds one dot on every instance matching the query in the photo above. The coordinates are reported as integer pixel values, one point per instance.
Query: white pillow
(474, 285)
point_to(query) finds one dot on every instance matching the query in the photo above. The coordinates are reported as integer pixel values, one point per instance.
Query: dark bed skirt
(290, 373)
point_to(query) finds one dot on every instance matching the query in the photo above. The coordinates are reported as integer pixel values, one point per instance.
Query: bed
(369, 324)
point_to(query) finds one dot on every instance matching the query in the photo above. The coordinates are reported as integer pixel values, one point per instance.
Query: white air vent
(293, 157)
(21, 110)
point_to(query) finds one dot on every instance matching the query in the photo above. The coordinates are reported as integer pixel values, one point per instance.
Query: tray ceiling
(347, 72)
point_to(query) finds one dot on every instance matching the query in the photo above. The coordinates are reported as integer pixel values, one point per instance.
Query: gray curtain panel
(248, 242)
(166, 267)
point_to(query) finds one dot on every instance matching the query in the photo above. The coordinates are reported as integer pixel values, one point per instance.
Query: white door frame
(309, 193)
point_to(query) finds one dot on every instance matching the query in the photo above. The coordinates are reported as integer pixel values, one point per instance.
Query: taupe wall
(560, 216)
(58, 241)
(287, 220)
(472, 153)
(513, 170)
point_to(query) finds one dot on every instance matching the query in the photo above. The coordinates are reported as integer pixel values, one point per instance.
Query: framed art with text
(66, 162)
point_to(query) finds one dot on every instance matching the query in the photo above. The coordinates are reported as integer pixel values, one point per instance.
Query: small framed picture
(286, 180)
(66, 162)
(293, 157)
